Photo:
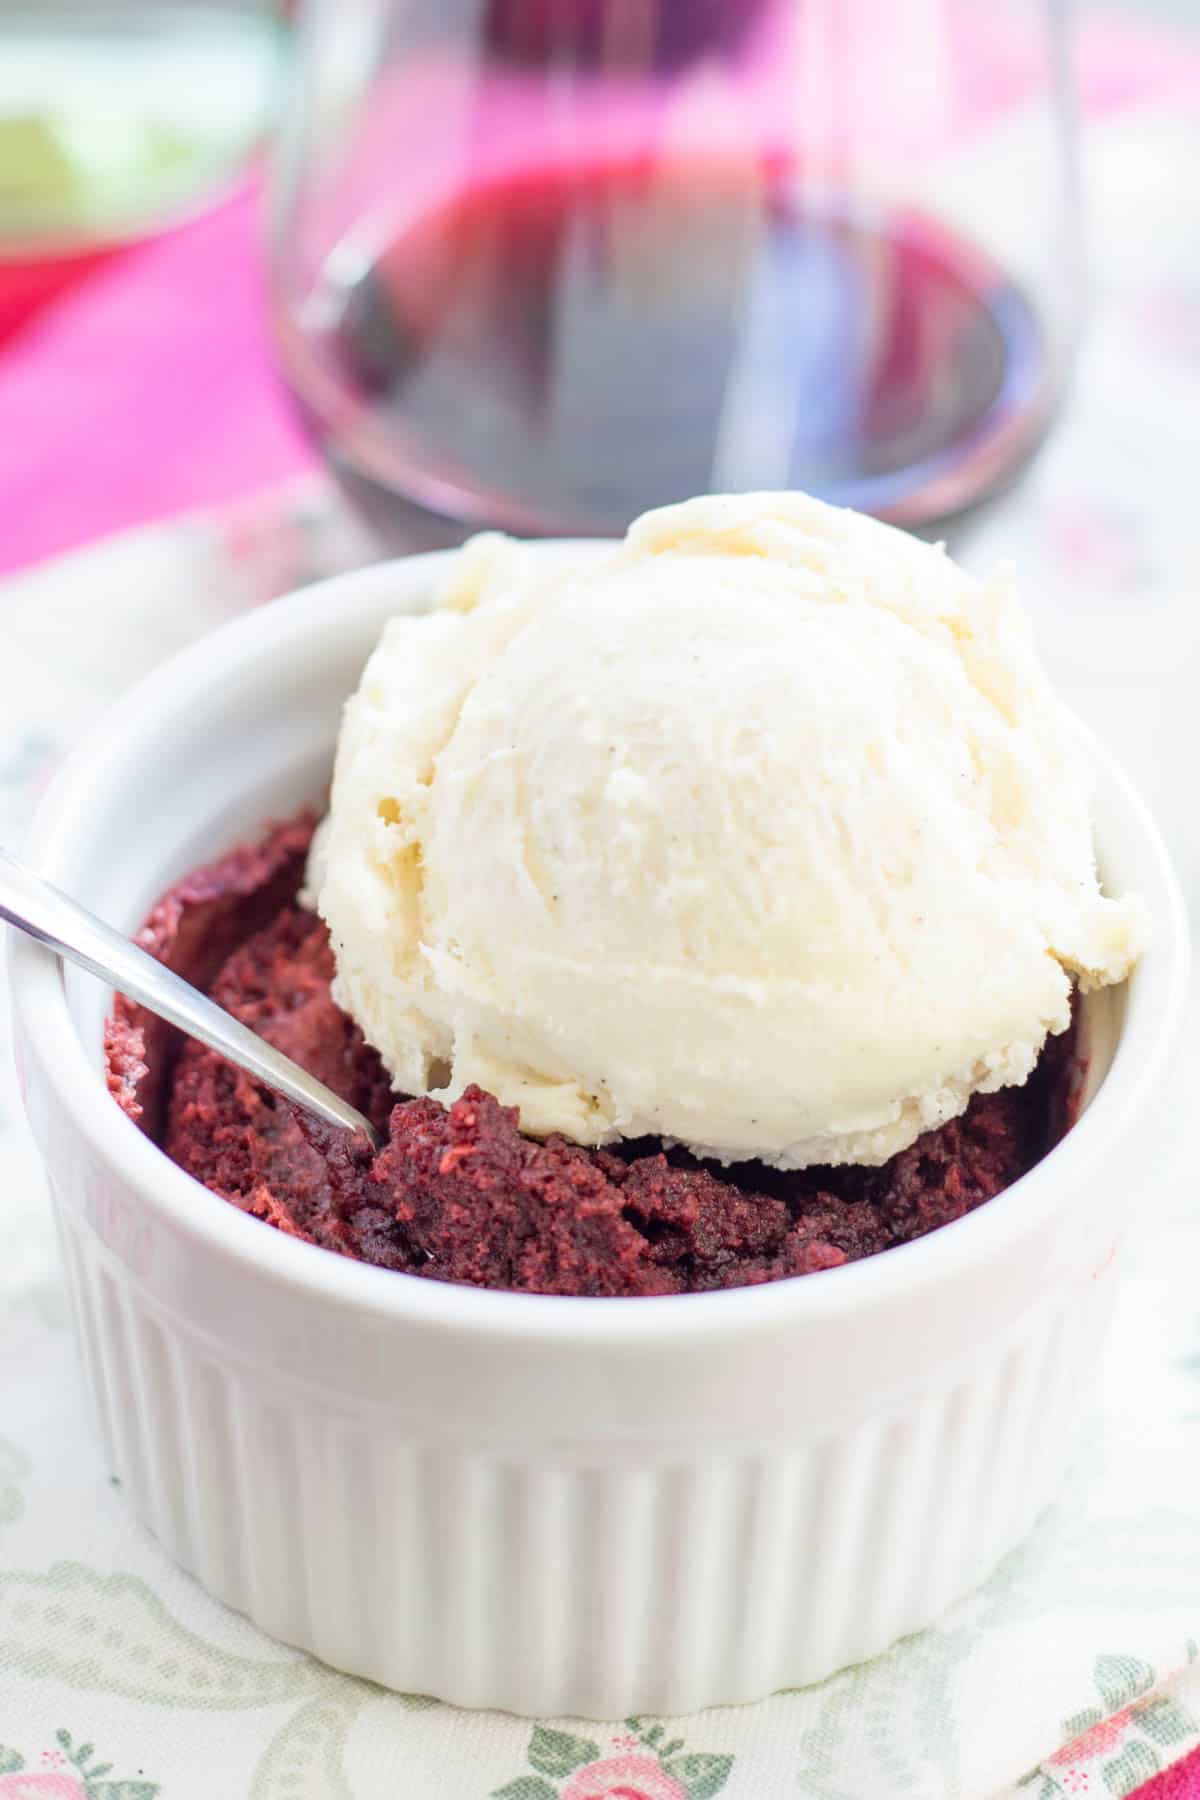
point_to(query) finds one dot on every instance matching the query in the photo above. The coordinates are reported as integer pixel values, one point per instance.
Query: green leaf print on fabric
(1040, 1785)
(82, 1758)
(1116, 1745)
(526, 1787)
(702, 1775)
(112, 1634)
(14, 1469)
(10, 1760)
(899, 1707)
(556, 1753)
(1120, 1679)
(1136, 1763)
(1164, 1721)
(304, 1759)
(642, 1764)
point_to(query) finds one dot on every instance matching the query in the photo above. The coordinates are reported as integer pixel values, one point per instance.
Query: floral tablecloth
(1076, 1671)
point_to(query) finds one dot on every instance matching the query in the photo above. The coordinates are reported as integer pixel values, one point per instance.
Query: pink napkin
(145, 390)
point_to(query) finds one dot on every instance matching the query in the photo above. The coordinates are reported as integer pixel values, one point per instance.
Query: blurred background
(543, 263)
(282, 288)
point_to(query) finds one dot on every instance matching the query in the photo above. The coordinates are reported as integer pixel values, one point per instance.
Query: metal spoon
(48, 915)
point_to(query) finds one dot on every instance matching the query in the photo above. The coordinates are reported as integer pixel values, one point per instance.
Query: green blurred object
(117, 117)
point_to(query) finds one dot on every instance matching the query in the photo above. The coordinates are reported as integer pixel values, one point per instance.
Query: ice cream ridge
(763, 832)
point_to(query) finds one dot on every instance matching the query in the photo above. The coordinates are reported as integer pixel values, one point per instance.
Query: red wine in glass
(556, 350)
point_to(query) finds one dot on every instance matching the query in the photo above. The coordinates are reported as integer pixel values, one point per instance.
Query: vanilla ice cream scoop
(763, 832)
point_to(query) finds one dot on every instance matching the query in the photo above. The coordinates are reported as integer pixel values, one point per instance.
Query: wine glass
(541, 264)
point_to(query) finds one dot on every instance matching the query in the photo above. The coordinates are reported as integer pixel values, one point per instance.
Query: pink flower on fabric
(1105, 1736)
(620, 1778)
(22, 1786)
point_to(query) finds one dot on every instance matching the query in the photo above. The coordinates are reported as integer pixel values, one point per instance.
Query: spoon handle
(45, 913)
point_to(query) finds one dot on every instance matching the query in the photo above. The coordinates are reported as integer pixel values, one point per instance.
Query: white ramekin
(549, 1505)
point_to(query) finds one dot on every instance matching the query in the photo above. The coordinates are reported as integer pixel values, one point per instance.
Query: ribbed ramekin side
(575, 1579)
